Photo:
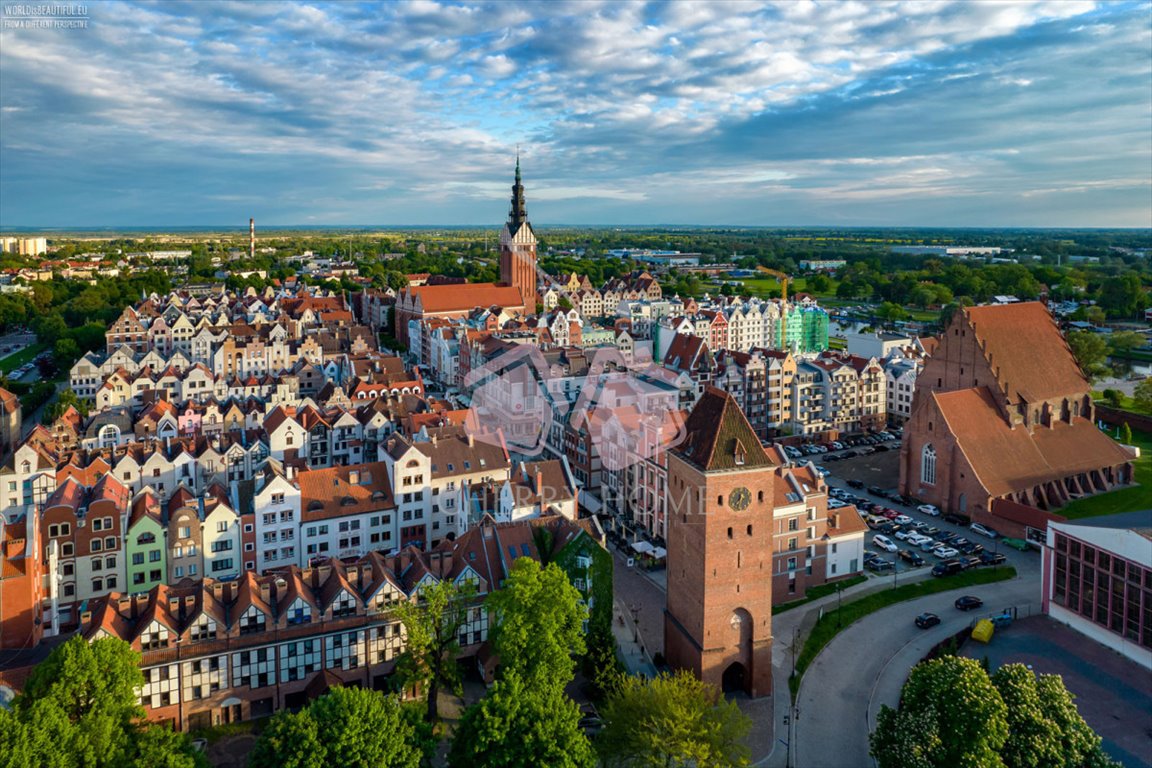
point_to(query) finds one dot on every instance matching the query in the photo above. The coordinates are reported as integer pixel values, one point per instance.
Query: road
(866, 665)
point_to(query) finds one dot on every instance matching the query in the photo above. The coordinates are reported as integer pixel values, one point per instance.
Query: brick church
(718, 619)
(1002, 413)
(516, 291)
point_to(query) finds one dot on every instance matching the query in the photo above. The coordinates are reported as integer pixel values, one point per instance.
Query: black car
(855, 483)
(968, 602)
(876, 490)
(956, 519)
(879, 564)
(927, 620)
(947, 568)
(970, 561)
(971, 548)
(911, 558)
(992, 558)
(880, 449)
(888, 529)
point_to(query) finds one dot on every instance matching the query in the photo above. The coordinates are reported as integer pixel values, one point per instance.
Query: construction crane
(783, 279)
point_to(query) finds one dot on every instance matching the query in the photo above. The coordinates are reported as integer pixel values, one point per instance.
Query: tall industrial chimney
(252, 239)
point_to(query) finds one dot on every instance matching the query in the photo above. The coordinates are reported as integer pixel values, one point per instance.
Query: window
(928, 465)
(97, 545)
(97, 585)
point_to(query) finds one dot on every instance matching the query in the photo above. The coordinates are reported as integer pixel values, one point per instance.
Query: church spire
(517, 216)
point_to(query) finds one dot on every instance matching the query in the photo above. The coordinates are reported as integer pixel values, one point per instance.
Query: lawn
(817, 592)
(770, 286)
(1126, 403)
(1128, 499)
(25, 355)
(833, 621)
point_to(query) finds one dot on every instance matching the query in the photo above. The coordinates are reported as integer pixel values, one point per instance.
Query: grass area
(770, 286)
(832, 622)
(1126, 403)
(12, 362)
(1128, 499)
(817, 592)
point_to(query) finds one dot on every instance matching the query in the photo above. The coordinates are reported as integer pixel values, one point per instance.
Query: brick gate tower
(718, 619)
(518, 248)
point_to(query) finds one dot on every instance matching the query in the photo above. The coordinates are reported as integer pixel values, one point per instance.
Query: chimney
(252, 238)
(266, 592)
(124, 604)
(189, 603)
(174, 606)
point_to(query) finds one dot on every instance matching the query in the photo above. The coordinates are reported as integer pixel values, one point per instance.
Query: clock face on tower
(739, 499)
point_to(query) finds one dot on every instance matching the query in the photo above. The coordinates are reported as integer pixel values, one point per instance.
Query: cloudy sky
(926, 113)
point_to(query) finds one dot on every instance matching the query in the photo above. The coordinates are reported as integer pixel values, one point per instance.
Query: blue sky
(927, 113)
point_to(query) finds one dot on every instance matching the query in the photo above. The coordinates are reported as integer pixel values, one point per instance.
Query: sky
(926, 113)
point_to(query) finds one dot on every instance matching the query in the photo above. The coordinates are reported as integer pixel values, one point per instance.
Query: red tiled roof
(461, 298)
(717, 431)
(1024, 344)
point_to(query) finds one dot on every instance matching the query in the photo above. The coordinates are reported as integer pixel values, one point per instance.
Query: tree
(79, 708)
(952, 713)
(967, 718)
(521, 726)
(818, 284)
(1142, 396)
(66, 352)
(432, 624)
(290, 740)
(1114, 397)
(345, 728)
(537, 623)
(671, 720)
(1123, 295)
(1089, 350)
(1126, 434)
(890, 312)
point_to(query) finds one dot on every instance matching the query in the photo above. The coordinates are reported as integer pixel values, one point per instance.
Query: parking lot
(875, 468)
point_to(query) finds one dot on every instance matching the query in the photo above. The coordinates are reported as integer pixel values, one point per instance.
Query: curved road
(866, 665)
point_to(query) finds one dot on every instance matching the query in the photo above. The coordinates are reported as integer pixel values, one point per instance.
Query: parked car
(879, 564)
(874, 521)
(911, 558)
(892, 515)
(918, 539)
(888, 528)
(920, 526)
(929, 545)
(968, 603)
(930, 530)
(855, 483)
(971, 548)
(945, 553)
(947, 568)
(927, 620)
(904, 519)
(880, 449)
(1019, 544)
(903, 534)
(984, 530)
(957, 519)
(928, 509)
(876, 490)
(883, 542)
(970, 561)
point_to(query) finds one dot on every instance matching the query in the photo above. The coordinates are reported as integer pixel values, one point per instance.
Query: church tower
(518, 248)
(718, 618)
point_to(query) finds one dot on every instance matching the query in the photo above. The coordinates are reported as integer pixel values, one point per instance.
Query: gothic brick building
(718, 619)
(1003, 411)
(516, 291)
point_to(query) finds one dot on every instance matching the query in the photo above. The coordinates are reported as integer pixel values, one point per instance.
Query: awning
(642, 547)
(659, 553)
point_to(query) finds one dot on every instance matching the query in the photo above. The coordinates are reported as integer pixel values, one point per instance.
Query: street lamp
(839, 604)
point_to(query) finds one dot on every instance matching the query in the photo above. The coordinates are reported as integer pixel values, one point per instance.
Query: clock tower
(718, 618)
(518, 248)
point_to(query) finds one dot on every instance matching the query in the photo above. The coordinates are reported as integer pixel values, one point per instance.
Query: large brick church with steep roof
(1003, 413)
(516, 291)
(718, 619)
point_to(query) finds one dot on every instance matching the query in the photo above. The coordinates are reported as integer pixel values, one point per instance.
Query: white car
(905, 535)
(918, 539)
(929, 544)
(945, 553)
(881, 541)
(902, 520)
(983, 530)
(929, 509)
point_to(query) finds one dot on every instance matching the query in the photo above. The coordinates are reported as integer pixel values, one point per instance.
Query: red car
(891, 514)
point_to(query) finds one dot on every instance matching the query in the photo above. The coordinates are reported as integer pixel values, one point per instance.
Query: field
(769, 286)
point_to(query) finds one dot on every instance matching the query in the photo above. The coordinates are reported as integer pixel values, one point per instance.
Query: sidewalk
(635, 656)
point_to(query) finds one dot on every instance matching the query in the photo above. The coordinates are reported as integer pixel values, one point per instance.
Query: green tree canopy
(345, 728)
(1142, 396)
(671, 720)
(537, 623)
(433, 624)
(521, 726)
(1089, 350)
(953, 714)
(79, 708)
